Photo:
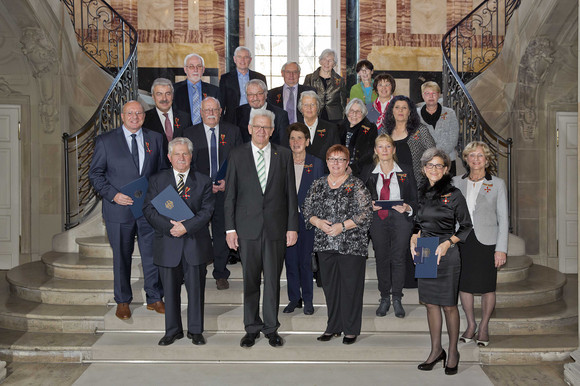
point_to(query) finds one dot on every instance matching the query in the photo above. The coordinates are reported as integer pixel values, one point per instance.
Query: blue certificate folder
(426, 260)
(170, 204)
(136, 190)
(388, 204)
(221, 174)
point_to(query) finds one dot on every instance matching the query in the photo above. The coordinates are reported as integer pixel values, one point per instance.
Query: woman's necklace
(476, 179)
(299, 162)
(334, 183)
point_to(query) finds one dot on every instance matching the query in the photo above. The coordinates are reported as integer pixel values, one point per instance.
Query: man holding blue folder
(182, 245)
(122, 156)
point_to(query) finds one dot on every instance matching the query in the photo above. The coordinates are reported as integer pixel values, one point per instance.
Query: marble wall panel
(428, 16)
(391, 16)
(156, 14)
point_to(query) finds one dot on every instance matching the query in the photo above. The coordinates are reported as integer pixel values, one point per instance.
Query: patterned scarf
(377, 106)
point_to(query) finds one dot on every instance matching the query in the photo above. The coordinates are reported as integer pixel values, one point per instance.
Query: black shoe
(398, 307)
(308, 308)
(347, 340)
(249, 339)
(429, 366)
(292, 305)
(326, 337)
(452, 370)
(384, 306)
(167, 340)
(233, 257)
(196, 339)
(275, 340)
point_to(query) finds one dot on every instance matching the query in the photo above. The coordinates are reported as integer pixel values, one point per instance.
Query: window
(279, 31)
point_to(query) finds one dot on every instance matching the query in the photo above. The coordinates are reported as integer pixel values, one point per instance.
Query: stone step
(225, 347)
(98, 246)
(515, 269)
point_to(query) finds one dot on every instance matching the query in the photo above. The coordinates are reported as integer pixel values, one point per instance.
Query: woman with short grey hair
(358, 134)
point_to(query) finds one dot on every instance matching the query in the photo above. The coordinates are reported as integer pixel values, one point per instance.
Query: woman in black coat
(358, 134)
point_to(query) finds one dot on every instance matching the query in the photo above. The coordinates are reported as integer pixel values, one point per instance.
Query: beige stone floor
(67, 374)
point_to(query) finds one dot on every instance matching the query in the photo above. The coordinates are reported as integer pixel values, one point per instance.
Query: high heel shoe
(482, 343)
(452, 370)
(467, 340)
(326, 337)
(429, 366)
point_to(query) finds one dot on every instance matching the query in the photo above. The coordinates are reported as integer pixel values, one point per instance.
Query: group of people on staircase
(294, 176)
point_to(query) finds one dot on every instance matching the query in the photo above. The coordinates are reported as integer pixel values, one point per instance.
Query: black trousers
(267, 256)
(194, 278)
(391, 244)
(218, 234)
(343, 281)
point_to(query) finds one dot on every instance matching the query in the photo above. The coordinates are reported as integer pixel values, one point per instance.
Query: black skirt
(478, 271)
(442, 291)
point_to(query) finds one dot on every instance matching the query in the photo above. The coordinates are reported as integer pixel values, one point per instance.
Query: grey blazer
(490, 217)
(446, 131)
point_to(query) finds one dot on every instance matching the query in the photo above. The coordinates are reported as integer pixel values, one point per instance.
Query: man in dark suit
(190, 92)
(233, 83)
(120, 157)
(323, 134)
(163, 118)
(286, 96)
(261, 214)
(182, 248)
(256, 91)
(213, 140)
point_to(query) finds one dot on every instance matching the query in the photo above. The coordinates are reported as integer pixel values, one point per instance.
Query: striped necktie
(261, 168)
(180, 184)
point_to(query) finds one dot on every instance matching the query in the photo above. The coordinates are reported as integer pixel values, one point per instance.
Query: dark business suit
(230, 93)
(280, 124)
(180, 120)
(181, 97)
(325, 136)
(276, 97)
(391, 235)
(261, 221)
(228, 138)
(299, 256)
(112, 167)
(182, 259)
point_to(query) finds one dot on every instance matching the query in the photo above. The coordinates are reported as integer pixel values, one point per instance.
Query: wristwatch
(451, 242)
(343, 227)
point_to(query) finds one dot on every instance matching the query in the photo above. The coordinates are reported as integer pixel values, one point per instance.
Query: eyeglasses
(255, 95)
(354, 112)
(336, 160)
(192, 67)
(211, 110)
(256, 127)
(309, 105)
(430, 166)
(134, 113)
(328, 60)
(432, 94)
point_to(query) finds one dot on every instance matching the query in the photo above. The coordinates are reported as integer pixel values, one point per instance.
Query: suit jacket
(181, 96)
(195, 245)
(229, 137)
(112, 167)
(406, 179)
(276, 97)
(230, 93)
(280, 124)
(362, 143)
(325, 136)
(313, 170)
(490, 217)
(180, 120)
(251, 212)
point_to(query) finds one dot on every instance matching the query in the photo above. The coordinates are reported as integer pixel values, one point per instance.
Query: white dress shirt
(267, 153)
(394, 188)
(217, 142)
(162, 119)
(312, 129)
(140, 145)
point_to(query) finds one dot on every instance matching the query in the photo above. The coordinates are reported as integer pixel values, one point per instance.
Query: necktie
(135, 151)
(385, 195)
(213, 154)
(195, 107)
(261, 168)
(168, 127)
(180, 184)
(291, 106)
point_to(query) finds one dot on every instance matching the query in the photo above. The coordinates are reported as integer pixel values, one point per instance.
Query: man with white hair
(287, 95)
(233, 83)
(190, 92)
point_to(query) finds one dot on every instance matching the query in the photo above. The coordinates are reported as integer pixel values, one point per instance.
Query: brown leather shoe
(123, 311)
(158, 307)
(222, 284)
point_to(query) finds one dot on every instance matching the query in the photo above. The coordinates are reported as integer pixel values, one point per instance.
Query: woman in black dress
(441, 207)
(358, 134)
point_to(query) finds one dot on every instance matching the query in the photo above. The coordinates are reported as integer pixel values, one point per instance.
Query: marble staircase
(61, 309)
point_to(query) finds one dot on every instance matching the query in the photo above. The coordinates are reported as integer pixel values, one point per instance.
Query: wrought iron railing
(111, 42)
(469, 48)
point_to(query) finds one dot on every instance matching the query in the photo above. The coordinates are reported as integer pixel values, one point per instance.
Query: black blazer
(181, 96)
(195, 245)
(228, 138)
(253, 213)
(276, 97)
(230, 93)
(362, 143)
(325, 136)
(180, 120)
(406, 179)
(280, 125)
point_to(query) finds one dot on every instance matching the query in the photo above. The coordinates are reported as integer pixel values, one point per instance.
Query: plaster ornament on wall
(5, 89)
(532, 70)
(41, 55)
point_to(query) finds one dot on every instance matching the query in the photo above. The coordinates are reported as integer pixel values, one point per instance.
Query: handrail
(111, 42)
(469, 48)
